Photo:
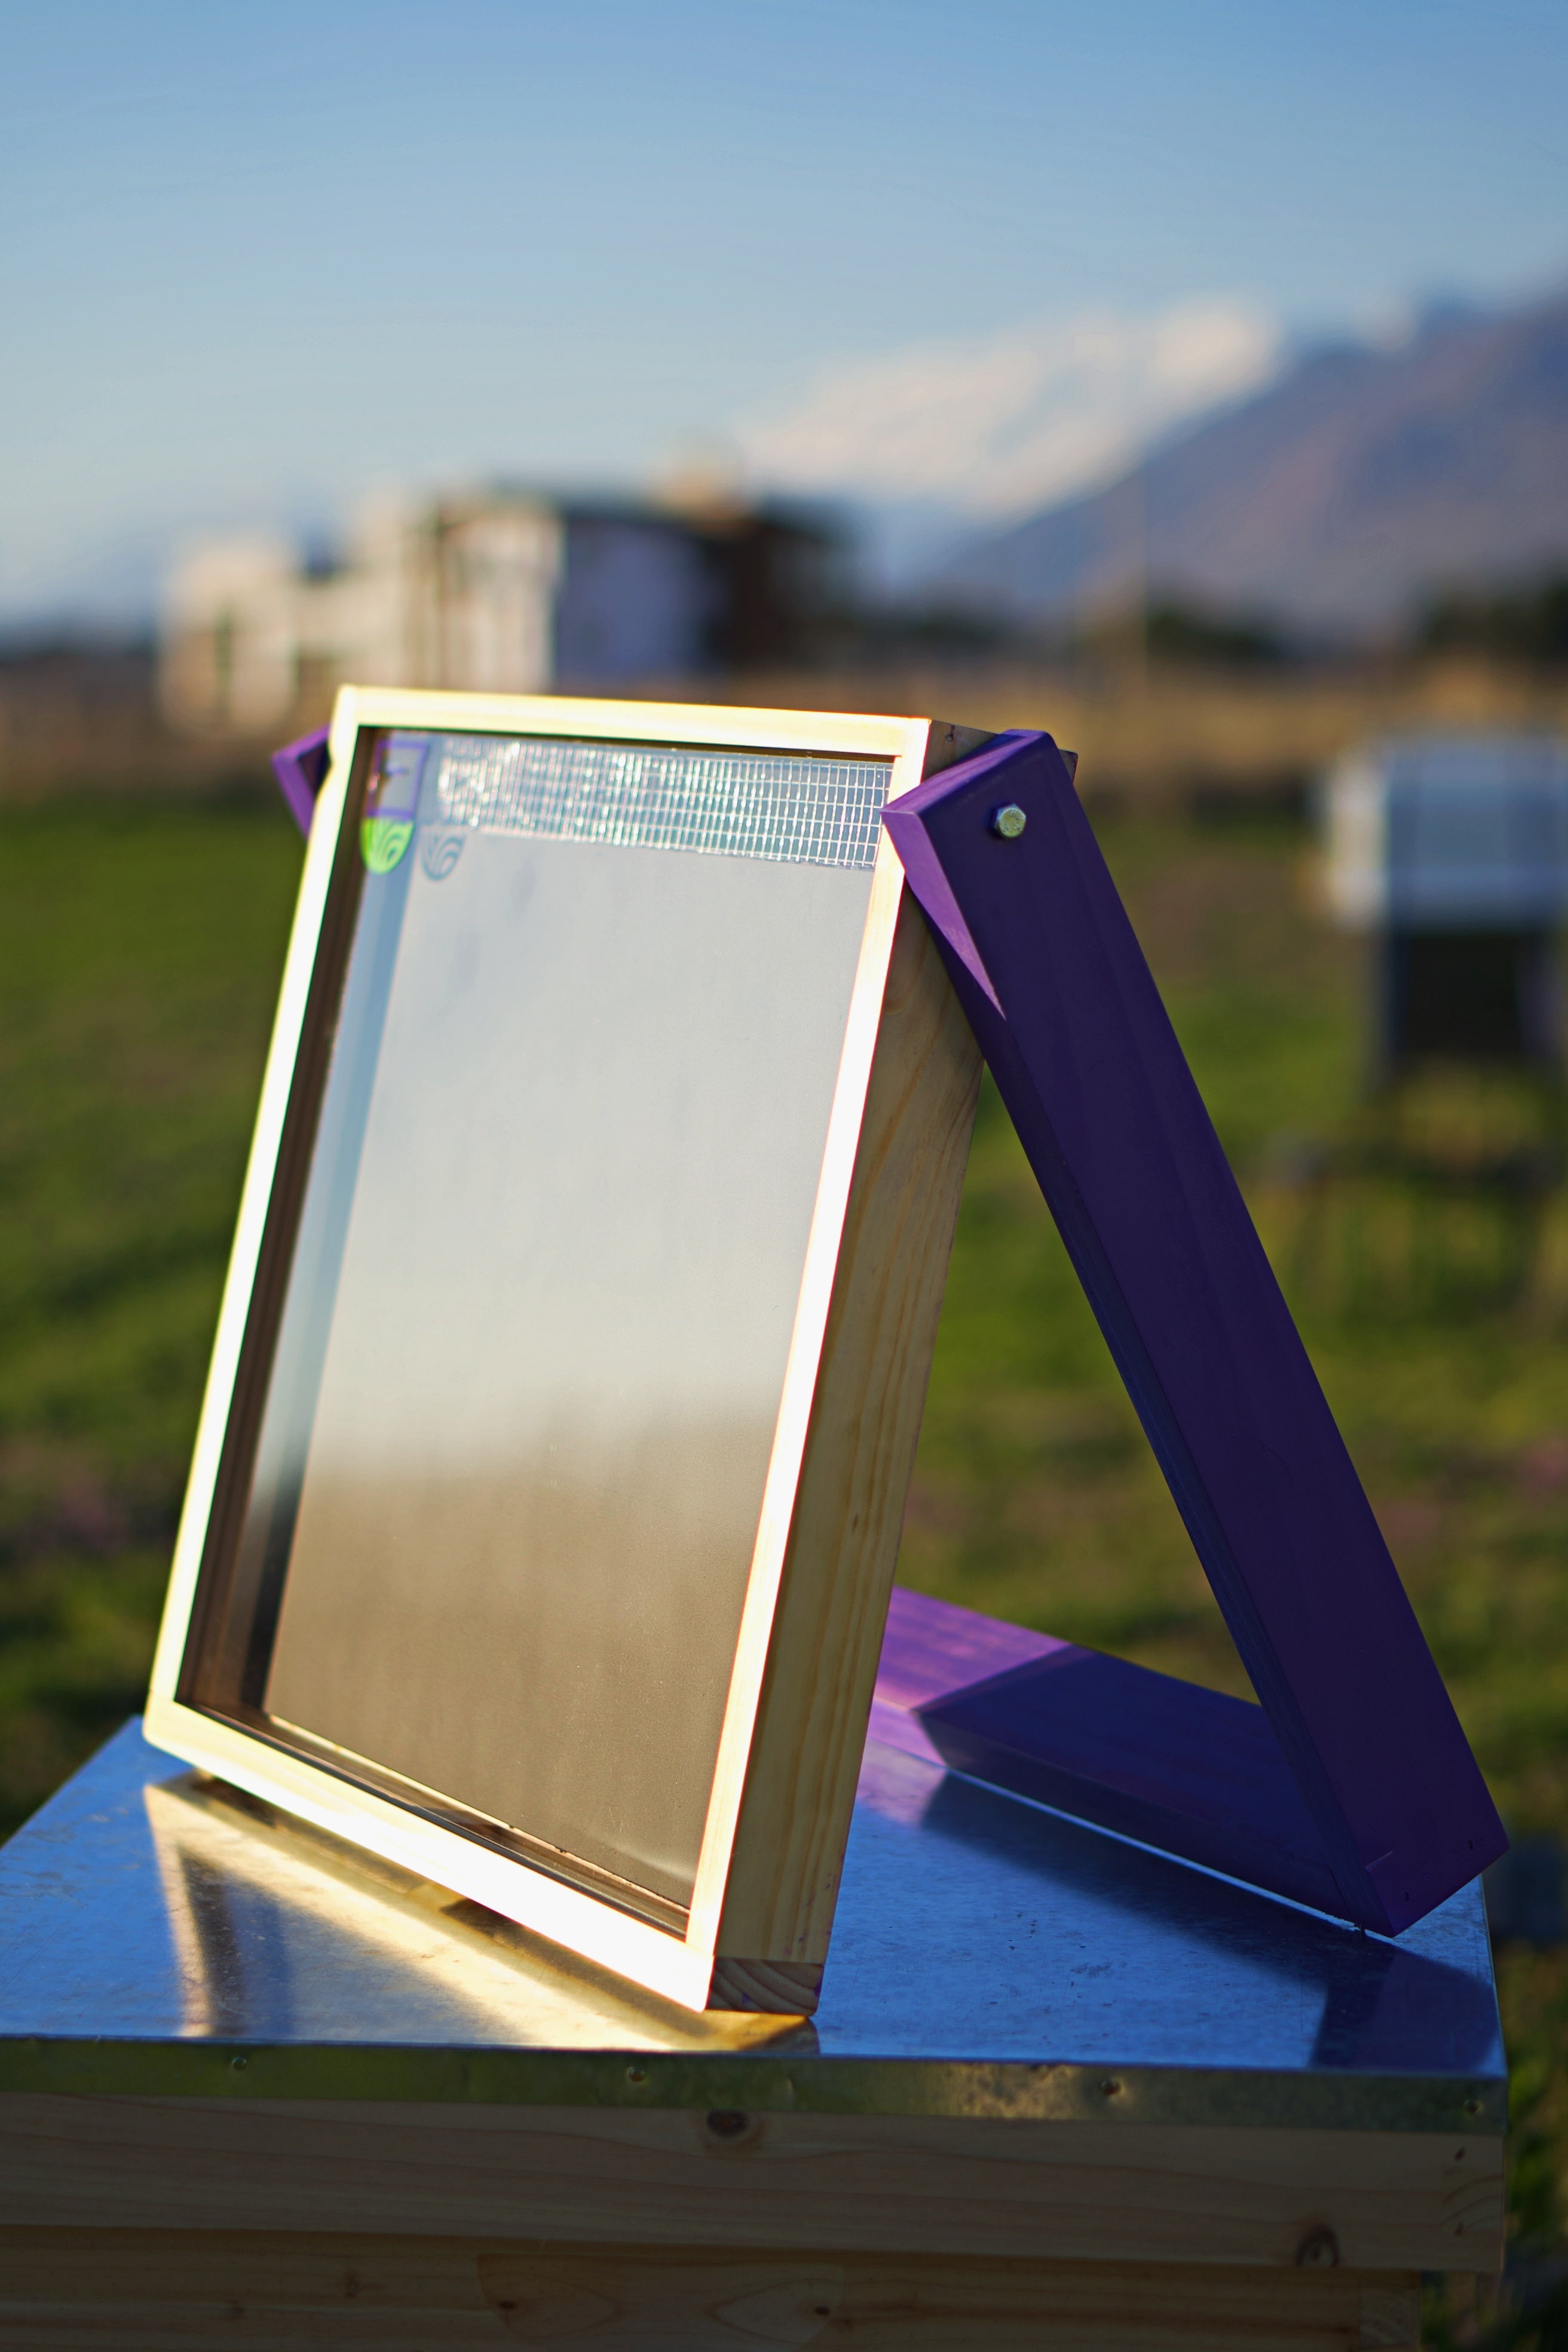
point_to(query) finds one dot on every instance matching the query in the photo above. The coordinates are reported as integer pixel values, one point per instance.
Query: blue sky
(256, 261)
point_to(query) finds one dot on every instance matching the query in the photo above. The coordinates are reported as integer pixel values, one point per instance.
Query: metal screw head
(1008, 822)
(726, 2123)
(1318, 2251)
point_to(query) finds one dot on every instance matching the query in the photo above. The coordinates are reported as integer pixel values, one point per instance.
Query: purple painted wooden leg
(1189, 1771)
(300, 768)
(1046, 963)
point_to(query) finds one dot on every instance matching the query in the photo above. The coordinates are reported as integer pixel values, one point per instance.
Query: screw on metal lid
(1008, 822)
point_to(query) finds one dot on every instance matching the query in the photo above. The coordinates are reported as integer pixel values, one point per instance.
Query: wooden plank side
(1111, 2191)
(184, 2288)
(810, 1731)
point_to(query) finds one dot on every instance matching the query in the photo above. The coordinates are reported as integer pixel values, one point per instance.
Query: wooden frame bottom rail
(182, 2290)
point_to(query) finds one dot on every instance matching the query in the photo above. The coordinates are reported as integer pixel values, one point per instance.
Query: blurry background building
(1452, 852)
(500, 592)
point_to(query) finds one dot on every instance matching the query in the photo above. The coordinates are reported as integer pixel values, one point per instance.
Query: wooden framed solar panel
(548, 1486)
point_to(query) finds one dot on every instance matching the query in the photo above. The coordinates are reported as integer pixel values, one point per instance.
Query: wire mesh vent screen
(807, 811)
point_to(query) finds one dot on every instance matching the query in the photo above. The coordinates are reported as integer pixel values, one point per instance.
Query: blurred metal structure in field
(500, 592)
(1452, 851)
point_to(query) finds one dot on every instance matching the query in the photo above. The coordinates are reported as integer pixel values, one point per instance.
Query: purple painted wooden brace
(1366, 1800)
(301, 768)
(1189, 1771)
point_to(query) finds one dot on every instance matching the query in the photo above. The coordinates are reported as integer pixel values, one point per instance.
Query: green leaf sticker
(383, 840)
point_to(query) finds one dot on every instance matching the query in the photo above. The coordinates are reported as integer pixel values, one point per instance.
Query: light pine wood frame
(76, 2289)
(988, 2186)
(757, 1930)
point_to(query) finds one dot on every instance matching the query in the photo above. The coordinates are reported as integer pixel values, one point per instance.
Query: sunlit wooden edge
(581, 1923)
(716, 1852)
(683, 1971)
(254, 1196)
(659, 722)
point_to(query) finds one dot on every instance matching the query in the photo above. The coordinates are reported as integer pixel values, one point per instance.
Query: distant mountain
(1360, 481)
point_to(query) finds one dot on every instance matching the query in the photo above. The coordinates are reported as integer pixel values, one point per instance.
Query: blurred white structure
(1452, 852)
(499, 592)
(230, 642)
(1450, 832)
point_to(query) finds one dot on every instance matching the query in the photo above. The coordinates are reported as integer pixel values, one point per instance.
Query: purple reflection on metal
(1189, 1771)
(931, 1648)
(300, 768)
(1050, 974)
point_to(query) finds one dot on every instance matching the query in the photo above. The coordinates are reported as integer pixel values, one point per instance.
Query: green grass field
(140, 948)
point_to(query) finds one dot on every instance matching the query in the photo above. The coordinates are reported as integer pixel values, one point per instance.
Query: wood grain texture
(1107, 2192)
(180, 2287)
(810, 1732)
(776, 1987)
(946, 745)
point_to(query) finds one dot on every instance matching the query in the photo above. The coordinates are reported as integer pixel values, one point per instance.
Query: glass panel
(522, 1399)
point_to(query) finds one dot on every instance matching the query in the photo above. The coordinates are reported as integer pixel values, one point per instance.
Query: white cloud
(1000, 426)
